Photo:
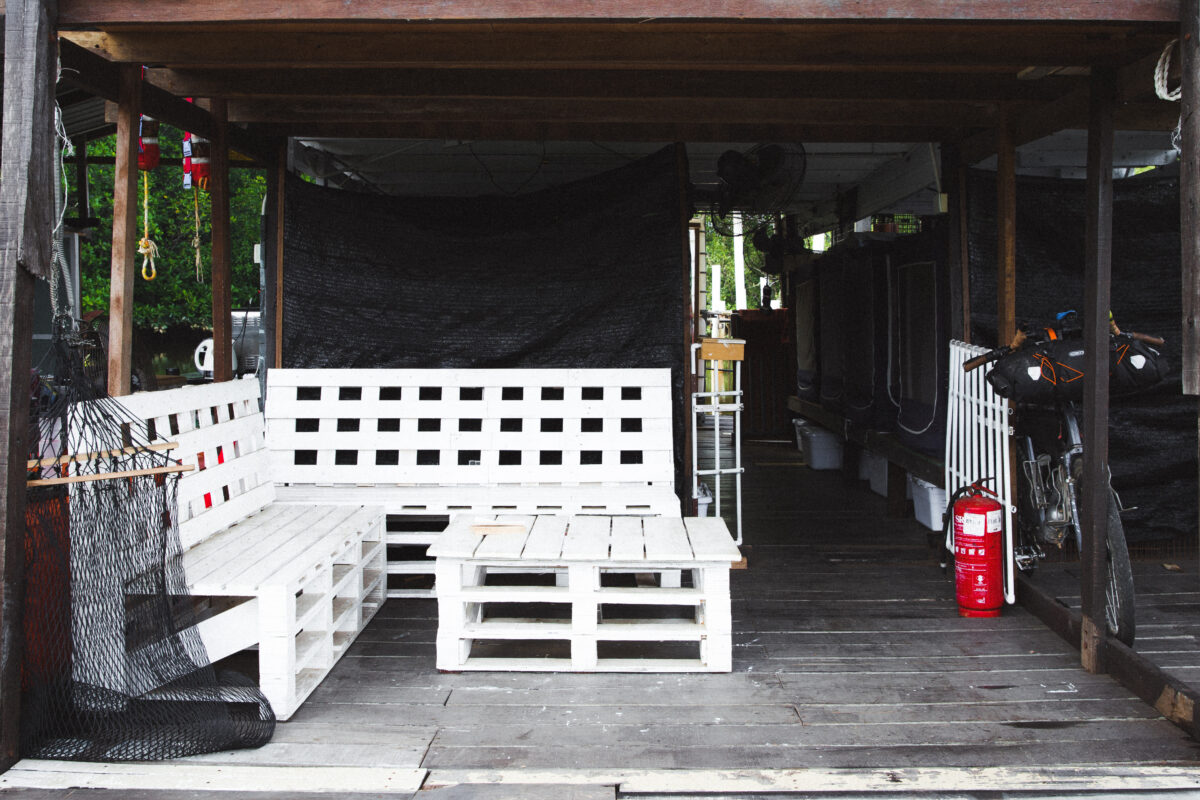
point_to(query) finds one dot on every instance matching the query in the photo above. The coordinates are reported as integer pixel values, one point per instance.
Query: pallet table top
(560, 539)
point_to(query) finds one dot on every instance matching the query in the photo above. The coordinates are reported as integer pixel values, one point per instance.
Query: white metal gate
(977, 443)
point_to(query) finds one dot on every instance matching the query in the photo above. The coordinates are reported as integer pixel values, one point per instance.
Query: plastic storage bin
(823, 449)
(929, 503)
(874, 468)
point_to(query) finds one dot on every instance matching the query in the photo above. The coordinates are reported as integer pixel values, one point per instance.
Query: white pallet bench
(589, 549)
(297, 581)
(427, 444)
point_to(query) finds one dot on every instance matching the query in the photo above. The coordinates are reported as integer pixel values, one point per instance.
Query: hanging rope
(146, 246)
(1161, 73)
(196, 237)
(61, 283)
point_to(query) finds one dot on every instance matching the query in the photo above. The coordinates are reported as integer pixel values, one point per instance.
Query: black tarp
(1152, 436)
(832, 318)
(588, 274)
(870, 400)
(921, 342)
(804, 306)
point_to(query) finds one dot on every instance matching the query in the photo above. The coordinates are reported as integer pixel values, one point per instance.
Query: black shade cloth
(1152, 435)
(921, 342)
(588, 274)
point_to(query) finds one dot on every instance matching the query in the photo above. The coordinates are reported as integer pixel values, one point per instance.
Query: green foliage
(174, 297)
(720, 250)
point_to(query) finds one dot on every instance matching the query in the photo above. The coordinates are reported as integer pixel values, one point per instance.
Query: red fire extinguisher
(978, 553)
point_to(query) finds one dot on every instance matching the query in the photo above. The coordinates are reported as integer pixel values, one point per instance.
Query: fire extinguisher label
(994, 519)
(972, 525)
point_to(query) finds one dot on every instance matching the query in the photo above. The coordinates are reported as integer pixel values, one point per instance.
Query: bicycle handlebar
(1020, 336)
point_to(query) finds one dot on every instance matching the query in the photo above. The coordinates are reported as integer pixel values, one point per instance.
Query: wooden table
(621, 617)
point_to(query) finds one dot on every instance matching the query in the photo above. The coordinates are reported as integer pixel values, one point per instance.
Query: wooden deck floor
(848, 655)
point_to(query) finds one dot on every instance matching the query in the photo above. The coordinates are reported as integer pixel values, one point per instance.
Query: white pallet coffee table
(613, 599)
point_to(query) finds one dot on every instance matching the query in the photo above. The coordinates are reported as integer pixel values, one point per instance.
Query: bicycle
(1041, 372)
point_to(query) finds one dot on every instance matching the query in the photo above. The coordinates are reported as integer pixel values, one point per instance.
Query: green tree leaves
(174, 297)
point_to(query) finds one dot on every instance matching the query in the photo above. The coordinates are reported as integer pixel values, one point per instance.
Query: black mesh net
(1152, 435)
(113, 667)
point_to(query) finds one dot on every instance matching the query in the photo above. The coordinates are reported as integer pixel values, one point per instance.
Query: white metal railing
(977, 444)
(717, 403)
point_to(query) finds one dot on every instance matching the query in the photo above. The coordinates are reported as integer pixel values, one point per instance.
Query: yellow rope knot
(149, 251)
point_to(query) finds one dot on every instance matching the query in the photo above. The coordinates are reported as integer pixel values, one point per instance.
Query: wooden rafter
(953, 49)
(94, 12)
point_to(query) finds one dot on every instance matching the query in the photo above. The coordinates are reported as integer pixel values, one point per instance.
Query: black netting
(870, 400)
(1152, 435)
(589, 274)
(113, 668)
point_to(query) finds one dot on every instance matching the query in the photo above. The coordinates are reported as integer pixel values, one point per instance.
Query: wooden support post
(124, 233)
(280, 198)
(685, 217)
(26, 214)
(222, 255)
(1189, 191)
(1097, 284)
(1006, 234)
(84, 204)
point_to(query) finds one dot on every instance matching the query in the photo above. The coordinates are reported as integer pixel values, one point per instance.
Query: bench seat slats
(587, 539)
(710, 539)
(666, 539)
(505, 545)
(545, 542)
(628, 542)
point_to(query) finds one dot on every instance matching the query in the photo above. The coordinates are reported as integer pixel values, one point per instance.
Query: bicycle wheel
(1118, 590)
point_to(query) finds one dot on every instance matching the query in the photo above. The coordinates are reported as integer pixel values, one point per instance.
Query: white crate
(874, 468)
(929, 503)
(823, 448)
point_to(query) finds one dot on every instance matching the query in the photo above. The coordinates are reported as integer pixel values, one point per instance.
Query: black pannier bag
(1053, 370)
(1134, 365)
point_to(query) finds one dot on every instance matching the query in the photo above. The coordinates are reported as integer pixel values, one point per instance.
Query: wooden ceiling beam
(874, 113)
(97, 12)
(99, 77)
(237, 84)
(788, 48)
(1136, 110)
(564, 131)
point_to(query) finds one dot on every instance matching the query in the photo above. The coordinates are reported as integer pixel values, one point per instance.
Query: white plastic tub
(929, 503)
(823, 449)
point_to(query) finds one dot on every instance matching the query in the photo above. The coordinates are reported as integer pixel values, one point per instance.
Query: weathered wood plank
(1189, 191)
(885, 46)
(26, 214)
(222, 253)
(175, 776)
(124, 233)
(1130, 751)
(93, 12)
(1093, 504)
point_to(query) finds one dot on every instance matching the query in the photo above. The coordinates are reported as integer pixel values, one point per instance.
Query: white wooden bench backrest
(220, 430)
(470, 427)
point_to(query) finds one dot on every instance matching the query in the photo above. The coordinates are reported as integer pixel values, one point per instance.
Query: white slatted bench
(593, 550)
(297, 581)
(437, 442)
